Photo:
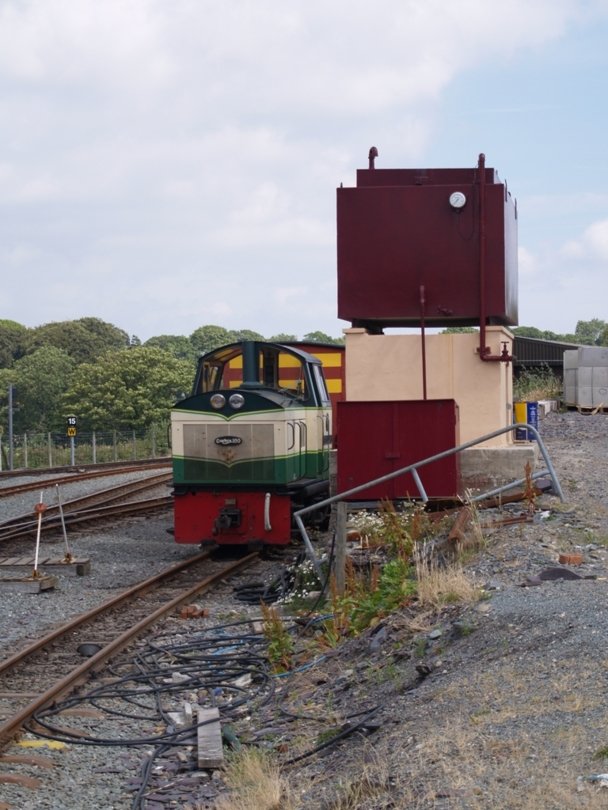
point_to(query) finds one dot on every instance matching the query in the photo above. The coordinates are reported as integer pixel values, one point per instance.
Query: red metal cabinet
(377, 438)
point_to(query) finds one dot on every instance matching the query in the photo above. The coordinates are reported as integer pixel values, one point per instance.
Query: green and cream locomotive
(250, 445)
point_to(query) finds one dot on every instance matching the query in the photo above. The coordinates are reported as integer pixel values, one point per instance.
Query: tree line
(587, 333)
(111, 380)
(105, 377)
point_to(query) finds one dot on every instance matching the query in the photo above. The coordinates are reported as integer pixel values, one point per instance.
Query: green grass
(533, 384)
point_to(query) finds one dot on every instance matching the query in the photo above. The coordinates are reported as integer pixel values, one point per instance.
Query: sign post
(11, 391)
(71, 429)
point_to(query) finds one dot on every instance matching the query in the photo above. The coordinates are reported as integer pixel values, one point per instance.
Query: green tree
(127, 389)
(84, 339)
(244, 334)
(7, 377)
(108, 336)
(209, 337)
(40, 380)
(590, 332)
(284, 338)
(321, 337)
(13, 338)
(177, 345)
(533, 332)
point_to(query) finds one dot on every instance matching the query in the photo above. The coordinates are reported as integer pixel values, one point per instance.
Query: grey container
(592, 356)
(570, 376)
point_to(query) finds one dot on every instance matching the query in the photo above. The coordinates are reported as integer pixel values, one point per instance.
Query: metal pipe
(39, 509)
(421, 489)
(11, 439)
(267, 524)
(68, 553)
(481, 168)
(484, 351)
(423, 339)
(412, 468)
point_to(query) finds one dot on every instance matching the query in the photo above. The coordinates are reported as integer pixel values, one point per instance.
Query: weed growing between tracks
(280, 643)
(256, 783)
(393, 567)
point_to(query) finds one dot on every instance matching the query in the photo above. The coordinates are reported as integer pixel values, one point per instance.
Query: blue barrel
(525, 413)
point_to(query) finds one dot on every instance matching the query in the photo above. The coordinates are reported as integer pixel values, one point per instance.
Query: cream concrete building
(389, 367)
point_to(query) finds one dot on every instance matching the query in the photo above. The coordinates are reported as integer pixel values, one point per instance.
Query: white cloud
(59, 42)
(527, 262)
(289, 295)
(591, 246)
(595, 240)
(565, 283)
(175, 153)
(268, 218)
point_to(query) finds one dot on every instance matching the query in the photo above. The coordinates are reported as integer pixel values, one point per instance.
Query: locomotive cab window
(220, 370)
(255, 366)
(320, 384)
(291, 375)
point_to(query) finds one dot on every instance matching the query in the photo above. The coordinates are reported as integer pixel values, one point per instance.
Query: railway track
(104, 468)
(81, 474)
(100, 505)
(53, 666)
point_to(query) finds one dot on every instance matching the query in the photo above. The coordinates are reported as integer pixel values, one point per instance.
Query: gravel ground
(99, 777)
(113, 563)
(497, 705)
(501, 704)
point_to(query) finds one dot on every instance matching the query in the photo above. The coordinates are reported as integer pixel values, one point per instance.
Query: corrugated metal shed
(531, 352)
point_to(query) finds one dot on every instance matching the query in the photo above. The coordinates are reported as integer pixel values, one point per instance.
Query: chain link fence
(35, 450)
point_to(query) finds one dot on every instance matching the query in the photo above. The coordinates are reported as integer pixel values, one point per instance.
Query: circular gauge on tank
(457, 200)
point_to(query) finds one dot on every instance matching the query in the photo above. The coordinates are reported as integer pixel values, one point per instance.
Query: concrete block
(570, 359)
(593, 356)
(488, 467)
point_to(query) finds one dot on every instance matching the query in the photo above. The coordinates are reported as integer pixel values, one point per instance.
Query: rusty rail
(89, 474)
(12, 727)
(75, 514)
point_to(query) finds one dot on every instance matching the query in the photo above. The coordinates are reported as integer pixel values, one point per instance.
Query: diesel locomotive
(250, 445)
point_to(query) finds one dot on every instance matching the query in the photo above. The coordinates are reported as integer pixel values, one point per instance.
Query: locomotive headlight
(218, 401)
(237, 401)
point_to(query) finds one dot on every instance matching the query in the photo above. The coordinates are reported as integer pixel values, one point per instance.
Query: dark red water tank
(438, 245)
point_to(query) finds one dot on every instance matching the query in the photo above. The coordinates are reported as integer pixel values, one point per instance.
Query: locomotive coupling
(228, 518)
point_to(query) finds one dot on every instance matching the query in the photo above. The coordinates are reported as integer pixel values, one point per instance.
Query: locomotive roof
(238, 345)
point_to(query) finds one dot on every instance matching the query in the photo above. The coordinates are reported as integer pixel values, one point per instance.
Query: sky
(166, 164)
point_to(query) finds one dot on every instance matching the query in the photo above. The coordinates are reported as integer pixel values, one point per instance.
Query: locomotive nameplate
(228, 441)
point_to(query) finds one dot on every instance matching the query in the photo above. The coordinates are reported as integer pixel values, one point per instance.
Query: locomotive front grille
(229, 443)
(229, 453)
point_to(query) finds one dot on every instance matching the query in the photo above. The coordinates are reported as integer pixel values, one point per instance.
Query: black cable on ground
(255, 592)
(339, 736)
(210, 662)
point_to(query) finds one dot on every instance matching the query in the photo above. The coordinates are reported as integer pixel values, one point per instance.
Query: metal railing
(413, 470)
